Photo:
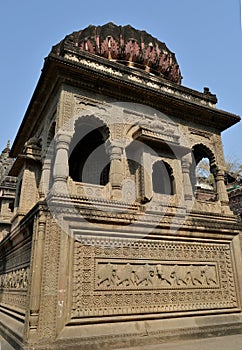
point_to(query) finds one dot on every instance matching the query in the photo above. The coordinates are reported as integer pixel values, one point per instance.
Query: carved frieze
(156, 275)
(17, 279)
(128, 278)
(13, 287)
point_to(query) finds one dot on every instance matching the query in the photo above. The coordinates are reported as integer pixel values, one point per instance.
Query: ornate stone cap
(126, 45)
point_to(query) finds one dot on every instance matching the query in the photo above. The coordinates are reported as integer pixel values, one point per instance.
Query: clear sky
(205, 35)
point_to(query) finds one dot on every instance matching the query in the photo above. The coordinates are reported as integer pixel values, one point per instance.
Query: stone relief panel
(128, 278)
(17, 279)
(158, 275)
(14, 277)
(13, 288)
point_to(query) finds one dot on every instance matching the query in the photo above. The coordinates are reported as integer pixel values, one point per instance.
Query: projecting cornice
(123, 83)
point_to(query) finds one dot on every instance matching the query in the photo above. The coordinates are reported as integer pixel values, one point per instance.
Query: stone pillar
(222, 194)
(146, 177)
(115, 174)
(187, 186)
(61, 166)
(45, 177)
(35, 292)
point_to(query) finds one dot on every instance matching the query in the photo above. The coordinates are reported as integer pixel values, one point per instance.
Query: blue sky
(205, 35)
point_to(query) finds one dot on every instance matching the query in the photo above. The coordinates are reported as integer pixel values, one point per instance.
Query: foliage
(232, 166)
(203, 173)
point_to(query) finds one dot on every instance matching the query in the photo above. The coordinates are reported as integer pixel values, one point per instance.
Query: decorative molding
(95, 65)
(14, 300)
(201, 133)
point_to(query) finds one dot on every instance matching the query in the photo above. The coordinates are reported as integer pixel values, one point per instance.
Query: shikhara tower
(109, 242)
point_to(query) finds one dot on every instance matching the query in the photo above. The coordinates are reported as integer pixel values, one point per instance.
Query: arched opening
(162, 178)
(88, 160)
(203, 170)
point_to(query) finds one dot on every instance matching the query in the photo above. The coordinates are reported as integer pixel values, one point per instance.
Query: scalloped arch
(201, 151)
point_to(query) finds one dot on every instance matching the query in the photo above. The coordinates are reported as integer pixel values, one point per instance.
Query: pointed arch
(201, 151)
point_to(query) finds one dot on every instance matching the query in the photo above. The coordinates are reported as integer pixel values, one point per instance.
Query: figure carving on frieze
(15, 279)
(107, 274)
(164, 272)
(179, 274)
(156, 275)
(125, 275)
(144, 274)
(209, 274)
(195, 274)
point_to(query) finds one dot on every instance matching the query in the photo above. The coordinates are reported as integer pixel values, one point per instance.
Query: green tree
(232, 166)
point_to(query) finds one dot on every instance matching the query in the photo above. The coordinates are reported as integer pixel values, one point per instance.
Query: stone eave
(47, 83)
(118, 81)
(111, 77)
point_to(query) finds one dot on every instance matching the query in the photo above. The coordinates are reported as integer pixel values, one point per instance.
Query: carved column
(115, 174)
(61, 166)
(35, 292)
(222, 195)
(45, 177)
(146, 177)
(187, 186)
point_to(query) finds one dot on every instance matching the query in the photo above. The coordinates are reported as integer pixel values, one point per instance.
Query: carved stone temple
(107, 242)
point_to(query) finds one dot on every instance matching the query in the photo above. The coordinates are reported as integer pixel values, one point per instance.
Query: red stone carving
(109, 48)
(87, 46)
(175, 74)
(132, 51)
(125, 44)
